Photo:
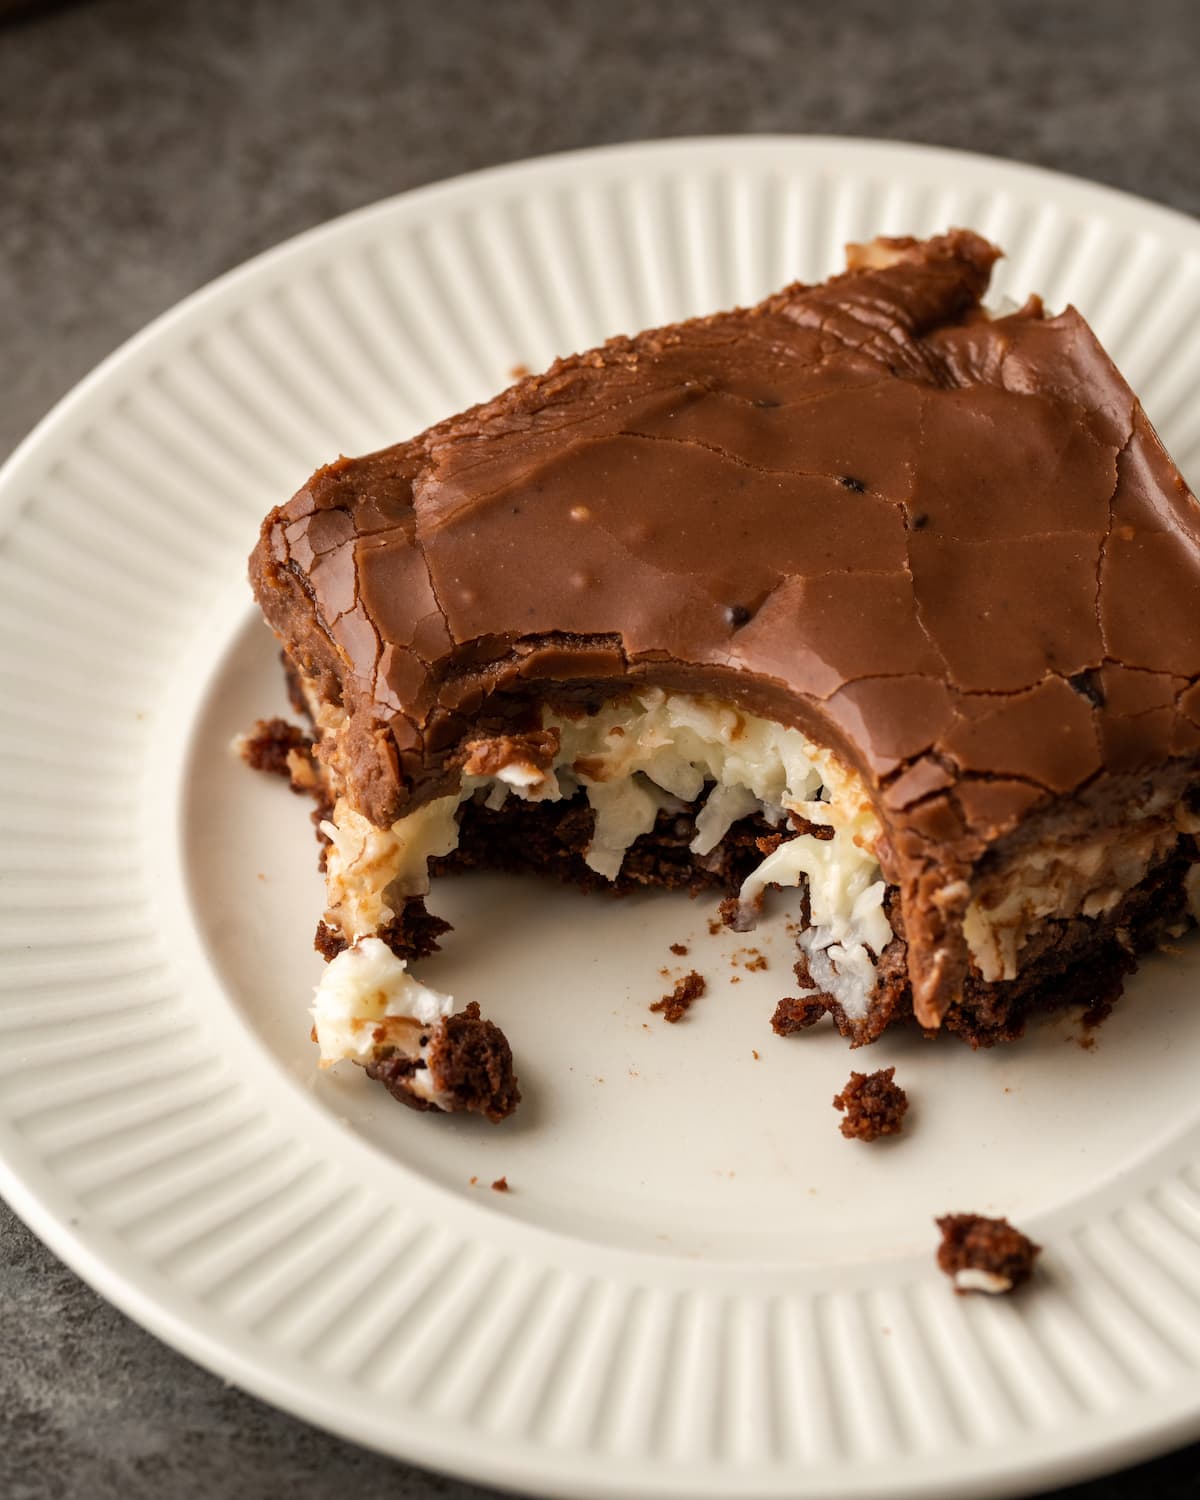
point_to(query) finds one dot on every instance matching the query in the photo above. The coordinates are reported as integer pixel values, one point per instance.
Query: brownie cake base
(1080, 962)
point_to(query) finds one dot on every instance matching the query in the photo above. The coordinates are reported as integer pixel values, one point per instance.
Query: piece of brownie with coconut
(908, 585)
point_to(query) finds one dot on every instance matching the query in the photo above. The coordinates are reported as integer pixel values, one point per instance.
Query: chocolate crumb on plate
(676, 1005)
(270, 742)
(500, 1185)
(792, 1015)
(679, 949)
(471, 1058)
(984, 1255)
(731, 914)
(874, 1105)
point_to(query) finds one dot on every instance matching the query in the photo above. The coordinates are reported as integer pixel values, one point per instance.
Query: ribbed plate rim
(41, 1202)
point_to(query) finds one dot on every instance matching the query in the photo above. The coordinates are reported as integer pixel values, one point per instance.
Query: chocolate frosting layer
(950, 546)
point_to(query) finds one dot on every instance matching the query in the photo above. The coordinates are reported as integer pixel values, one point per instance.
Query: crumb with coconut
(984, 1255)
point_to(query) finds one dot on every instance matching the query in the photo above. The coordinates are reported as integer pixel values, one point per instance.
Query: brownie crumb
(500, 1185)
(470, 1062)
(676, 1005)
(769, 843)
(792, 1015)
(474, 1182)
(679, 949)
(715, 926)
(269, 743)
(471, 1059)
(874, 1105)
(754, 1053)
(984, 1255)
(414, 932)
(328, 941)
(281, 749)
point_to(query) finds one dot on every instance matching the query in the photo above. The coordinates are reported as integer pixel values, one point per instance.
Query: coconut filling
(971, 1279)
(645, 754)
(368, 1006)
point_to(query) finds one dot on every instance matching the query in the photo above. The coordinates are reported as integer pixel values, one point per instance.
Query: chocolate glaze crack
(674, 509)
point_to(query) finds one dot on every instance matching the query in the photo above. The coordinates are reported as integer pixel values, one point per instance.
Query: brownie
(934, 558)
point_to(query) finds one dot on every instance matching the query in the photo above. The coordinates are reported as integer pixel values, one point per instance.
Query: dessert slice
(860, 593)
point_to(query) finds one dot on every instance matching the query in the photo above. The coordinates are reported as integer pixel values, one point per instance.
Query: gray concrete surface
(147, 145)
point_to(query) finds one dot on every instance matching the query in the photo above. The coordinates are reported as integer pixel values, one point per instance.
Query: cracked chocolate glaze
(950, 547)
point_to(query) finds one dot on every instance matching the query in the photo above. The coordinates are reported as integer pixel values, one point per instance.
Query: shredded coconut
(635, 758)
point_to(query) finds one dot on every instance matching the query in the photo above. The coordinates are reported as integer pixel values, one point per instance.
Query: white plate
(696, 1287)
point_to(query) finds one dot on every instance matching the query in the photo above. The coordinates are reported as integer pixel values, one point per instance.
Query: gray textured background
(145, 147)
